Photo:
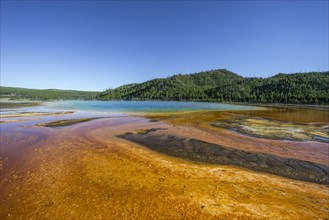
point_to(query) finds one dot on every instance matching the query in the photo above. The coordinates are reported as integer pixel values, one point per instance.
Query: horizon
(92, 46)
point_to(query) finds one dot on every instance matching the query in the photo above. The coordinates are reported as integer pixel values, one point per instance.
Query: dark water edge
(200, 151)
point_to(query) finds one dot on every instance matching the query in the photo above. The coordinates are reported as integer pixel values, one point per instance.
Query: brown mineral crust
(85, 172)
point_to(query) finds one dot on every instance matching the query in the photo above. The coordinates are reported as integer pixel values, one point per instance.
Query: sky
(95, 45)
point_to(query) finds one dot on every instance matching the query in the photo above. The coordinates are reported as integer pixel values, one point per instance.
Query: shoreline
(29, 103)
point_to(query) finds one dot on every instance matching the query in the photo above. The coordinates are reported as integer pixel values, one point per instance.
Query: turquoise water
(142, 106)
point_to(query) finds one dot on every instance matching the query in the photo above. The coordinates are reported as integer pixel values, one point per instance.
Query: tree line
(15, 93)
(225, 86)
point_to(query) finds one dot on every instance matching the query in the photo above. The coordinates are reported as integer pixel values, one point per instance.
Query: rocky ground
(201, 151)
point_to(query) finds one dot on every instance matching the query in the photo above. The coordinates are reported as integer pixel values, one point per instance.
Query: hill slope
(225, 86)
(44, 94)
(177, 87)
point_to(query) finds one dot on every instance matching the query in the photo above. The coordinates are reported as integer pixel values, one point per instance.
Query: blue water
(142, 106)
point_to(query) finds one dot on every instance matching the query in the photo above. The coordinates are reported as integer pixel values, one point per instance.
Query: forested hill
(15, 93)
(225, 86)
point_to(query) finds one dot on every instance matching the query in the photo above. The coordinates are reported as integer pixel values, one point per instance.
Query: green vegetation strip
(14, 93)
(18, 104)
(65, 122)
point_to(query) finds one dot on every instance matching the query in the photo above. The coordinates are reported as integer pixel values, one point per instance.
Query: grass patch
(18, 104)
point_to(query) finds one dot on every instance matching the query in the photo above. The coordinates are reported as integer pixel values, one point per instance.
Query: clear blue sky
(93, 45)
